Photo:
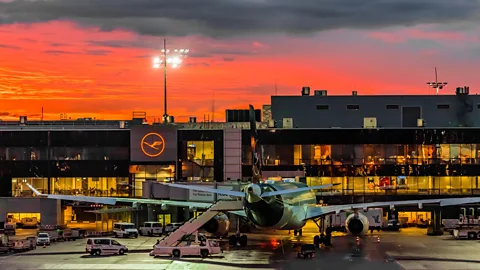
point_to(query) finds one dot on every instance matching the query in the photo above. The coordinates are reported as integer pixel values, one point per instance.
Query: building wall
(50, 210)
(232, 163)
(463, 110)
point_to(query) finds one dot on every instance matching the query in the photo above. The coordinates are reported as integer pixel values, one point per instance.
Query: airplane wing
(114, 200)
(242, 194)
(212, 190)
(317, 211)
(292, 191)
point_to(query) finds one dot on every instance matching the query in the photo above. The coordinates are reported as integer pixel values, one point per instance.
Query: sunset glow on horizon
(86, 71)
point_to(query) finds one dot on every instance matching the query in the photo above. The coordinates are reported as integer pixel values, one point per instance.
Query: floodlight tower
(174, 59)
(437, 85)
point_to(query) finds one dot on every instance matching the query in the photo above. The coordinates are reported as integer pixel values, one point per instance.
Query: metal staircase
(194, 224)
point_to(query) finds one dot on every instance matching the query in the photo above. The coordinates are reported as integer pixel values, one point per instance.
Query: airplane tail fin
(257, 149)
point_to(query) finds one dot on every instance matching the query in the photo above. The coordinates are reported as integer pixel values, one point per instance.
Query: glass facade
(142, 173)
(367, 154)
(64, 153)
(407, 161)
(401, 185)
(86, 186)
(199, 165)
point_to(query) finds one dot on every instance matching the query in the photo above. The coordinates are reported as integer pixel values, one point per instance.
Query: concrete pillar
(435, 228)
(3, 210)
(186, 214)
(150, 213)
(50, 212)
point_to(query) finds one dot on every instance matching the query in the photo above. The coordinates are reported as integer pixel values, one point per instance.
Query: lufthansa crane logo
(152, 144)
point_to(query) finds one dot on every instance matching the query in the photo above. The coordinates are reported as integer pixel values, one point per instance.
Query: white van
(150, 228)
(172, 227)
(98, 246)
(125, 230)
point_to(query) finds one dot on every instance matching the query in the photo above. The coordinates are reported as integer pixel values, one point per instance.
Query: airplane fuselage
(281, 212)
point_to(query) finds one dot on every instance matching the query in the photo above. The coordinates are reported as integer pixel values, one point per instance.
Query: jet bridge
(194, 224)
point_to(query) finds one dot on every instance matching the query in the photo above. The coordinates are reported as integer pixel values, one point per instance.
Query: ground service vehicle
(205, 248)
(306, 251)
(150, 228)
(125, 230)
(172, 227)
(466, 231)
(10, 228)
(29, 223)
(23, 245)
(43, 239)
(104, 246)
(4, 244)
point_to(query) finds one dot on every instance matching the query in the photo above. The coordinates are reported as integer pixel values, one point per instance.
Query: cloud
(422, 33)
(5, 46)
(98, 52)
(232, 17)
(58, 52)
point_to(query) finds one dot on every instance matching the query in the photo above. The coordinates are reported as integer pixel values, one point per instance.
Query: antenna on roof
(275, 87)
(437, 85)
(213, 105)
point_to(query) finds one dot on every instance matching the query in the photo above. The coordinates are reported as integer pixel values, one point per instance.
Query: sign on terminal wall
(153, 143)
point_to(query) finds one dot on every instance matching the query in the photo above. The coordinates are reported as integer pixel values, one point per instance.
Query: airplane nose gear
(299, 232)
(324, 239)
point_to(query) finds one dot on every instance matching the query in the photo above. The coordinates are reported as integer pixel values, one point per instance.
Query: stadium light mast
(174, 59)
(437, 85)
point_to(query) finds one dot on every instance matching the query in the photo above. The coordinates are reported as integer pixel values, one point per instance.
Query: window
(322, 107)
(443, 106)
(392, 107)
(353, 107)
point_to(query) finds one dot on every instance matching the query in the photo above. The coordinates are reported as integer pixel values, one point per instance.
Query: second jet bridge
(194, 224)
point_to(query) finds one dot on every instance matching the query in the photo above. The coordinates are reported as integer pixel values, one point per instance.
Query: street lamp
(437, 85)
(174, 59)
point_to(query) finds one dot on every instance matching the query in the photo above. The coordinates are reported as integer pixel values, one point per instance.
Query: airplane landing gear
(237, 240)
(322, 238)
(299, 232)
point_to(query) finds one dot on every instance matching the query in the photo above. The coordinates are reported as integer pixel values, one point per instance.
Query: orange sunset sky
(53, 55)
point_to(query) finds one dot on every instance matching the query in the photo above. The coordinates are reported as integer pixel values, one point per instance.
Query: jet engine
(218, 225)
(357, 224)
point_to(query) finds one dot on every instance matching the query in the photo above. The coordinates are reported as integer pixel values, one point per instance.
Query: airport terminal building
(375, 147)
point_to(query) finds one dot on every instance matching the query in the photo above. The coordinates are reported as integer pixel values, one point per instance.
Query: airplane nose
(253, 193)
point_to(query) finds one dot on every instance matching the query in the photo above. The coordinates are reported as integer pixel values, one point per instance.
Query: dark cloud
(98, 52)
(228, 59)
(5, 46)
(59, 44)
(233, 17)
(86, 52)
(58, 52)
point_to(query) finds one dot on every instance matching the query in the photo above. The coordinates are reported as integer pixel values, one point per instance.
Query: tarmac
(408, 249)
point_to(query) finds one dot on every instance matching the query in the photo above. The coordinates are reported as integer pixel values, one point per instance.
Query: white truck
(123, 229)
(151, 228)
(192, 245)
(375, 219)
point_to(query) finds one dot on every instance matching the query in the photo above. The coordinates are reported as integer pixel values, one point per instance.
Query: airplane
(278, 205)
